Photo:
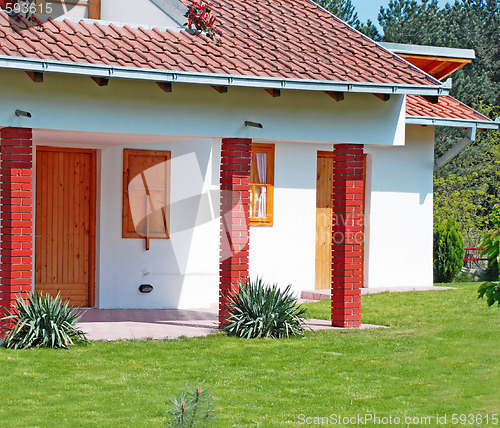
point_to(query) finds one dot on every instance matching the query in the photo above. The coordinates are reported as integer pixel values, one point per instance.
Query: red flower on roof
(199, 15)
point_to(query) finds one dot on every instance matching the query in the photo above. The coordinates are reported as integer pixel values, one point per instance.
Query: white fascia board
(423, 50)
(458, 123)
(102, 70)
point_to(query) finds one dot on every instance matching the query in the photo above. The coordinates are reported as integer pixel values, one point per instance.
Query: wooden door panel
(324, 207)
(65, 224)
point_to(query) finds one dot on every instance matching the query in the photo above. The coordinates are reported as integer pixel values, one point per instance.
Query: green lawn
(439, 356)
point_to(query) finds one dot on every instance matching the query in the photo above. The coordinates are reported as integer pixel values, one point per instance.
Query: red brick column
(347, 235)
(16, 217)
(235, 217)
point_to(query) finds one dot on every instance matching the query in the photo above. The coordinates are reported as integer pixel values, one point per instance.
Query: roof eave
(106, 71)
(457, 123)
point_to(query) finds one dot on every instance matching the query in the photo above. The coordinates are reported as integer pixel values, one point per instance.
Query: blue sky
(368, 9)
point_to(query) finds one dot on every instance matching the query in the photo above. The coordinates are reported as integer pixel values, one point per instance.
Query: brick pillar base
(16, 218)
(235, 217)
(347, 235)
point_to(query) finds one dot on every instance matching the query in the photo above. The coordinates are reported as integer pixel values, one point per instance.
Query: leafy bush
(43, 321)
(260, 310)
(448, 251)
(464, 277)
(190, 409)
(491, 244)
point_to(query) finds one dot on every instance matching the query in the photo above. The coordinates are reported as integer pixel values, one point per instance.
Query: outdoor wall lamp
(145, 288)
(253, 124)
(23, 113)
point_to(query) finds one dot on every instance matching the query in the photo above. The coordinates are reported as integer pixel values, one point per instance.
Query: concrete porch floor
(139, 324)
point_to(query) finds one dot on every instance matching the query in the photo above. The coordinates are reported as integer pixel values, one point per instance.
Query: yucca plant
(43, 321)
(261, 310)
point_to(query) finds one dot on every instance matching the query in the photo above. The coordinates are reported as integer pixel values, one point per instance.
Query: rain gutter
(459, 123)
(106, 71)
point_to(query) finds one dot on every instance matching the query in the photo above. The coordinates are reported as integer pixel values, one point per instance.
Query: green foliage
(469, 187)
(342, 9)
(448, 251)
(43, 321)
(260, 310)
(492, 292)
(191, 409)
(407, 21)
(466, 24)
(491, 241)
(464, 277)
(491, 244)
(461, 198)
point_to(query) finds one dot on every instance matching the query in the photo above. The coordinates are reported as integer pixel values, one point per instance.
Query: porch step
(315, 294)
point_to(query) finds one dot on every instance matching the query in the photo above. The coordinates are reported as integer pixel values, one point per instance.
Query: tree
(448, 251)
(468, 187)
(491, 244)
(467, 24)
(406, 21)
(342, 9)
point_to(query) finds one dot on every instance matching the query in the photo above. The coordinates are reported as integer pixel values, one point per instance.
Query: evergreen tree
(342, 9)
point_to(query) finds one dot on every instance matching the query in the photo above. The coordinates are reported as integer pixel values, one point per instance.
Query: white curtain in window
(261, 160)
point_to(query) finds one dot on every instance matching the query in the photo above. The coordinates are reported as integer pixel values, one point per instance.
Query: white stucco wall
(399, 244)
(136, 12)
(184, 269)
(285, 253)
(76, 103)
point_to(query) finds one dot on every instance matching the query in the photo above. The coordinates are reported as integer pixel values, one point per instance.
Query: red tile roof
(272, 38)
(446, 108)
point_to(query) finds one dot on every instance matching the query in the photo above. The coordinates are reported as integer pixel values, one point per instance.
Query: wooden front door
(324, 207)
(65, 223)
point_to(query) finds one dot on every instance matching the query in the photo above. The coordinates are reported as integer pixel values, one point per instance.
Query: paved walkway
(128, 324)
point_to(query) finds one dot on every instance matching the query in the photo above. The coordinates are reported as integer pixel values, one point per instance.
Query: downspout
(456, 149)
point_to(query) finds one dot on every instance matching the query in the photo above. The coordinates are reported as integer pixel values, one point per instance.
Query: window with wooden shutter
(146, 194)
(262, 185)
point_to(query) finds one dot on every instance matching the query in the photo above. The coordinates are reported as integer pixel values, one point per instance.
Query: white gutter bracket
(456, 149)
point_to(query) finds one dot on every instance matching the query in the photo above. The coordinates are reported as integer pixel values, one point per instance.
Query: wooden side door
(324, 212)
(65, 223)
(324, 208)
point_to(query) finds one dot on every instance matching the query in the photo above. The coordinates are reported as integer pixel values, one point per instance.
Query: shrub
(448, 251)
(190, 409)
(260, 310)
(491, 244)
(464, 277)
(43, 321)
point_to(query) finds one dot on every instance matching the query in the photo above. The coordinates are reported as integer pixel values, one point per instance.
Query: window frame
(93, 6)
(126, 212)
(269, 150)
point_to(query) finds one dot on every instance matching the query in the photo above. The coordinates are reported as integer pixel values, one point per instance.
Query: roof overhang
(439, 62)
(106, 71)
